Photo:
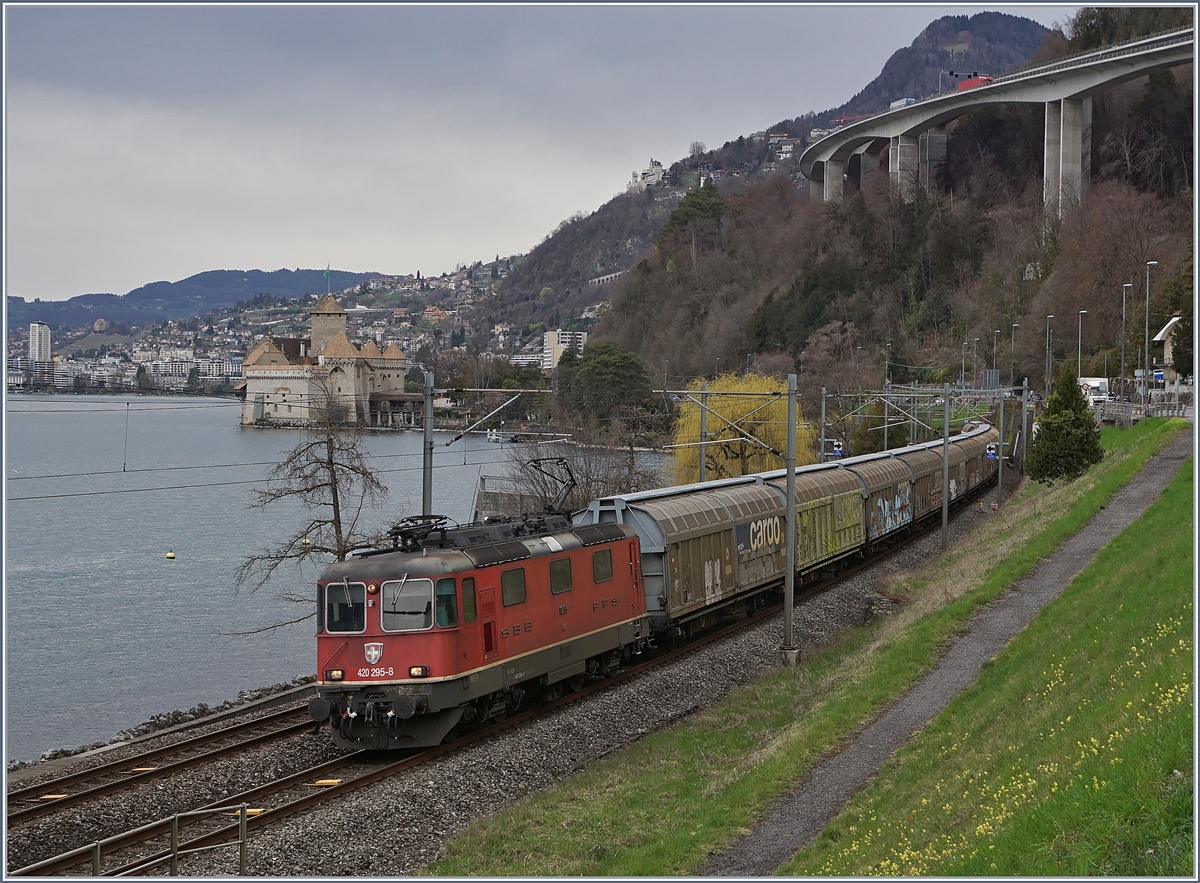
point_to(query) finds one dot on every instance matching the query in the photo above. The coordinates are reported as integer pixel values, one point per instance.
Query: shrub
(1067, 442)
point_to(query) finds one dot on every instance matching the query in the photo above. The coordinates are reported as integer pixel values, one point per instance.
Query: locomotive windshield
(345, 607)
(407, 605)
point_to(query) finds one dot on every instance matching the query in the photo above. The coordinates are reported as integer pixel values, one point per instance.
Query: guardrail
(96, 848)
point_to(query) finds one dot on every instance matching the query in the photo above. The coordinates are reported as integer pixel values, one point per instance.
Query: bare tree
(328, 474)
(696, 149)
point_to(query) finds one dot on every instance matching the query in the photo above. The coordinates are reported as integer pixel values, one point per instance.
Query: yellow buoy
(170, 555)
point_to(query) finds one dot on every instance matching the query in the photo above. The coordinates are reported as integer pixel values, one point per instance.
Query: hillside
(193, 296)
(606, 241)
(834, 292)
(580, 249)
(986, 43)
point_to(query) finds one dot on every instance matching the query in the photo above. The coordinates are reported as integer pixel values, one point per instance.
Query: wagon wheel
(576, 683)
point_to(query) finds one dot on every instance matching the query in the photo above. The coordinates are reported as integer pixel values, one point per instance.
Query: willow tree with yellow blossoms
(746, 433)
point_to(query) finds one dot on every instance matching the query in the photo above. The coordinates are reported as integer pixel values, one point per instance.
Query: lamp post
(1079, 347)
(962, 375)
(887, 361)
(1012, 349)
(1049, 364)
(1146, 363)
(995, 347)
(1124, 291)
(975, 363)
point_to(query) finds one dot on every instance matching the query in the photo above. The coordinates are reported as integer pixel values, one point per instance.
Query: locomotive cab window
(512, 586)
(407, 605)
(447, 603)
(560, 576)
(468, 599)
(345, 607)
(602, 566)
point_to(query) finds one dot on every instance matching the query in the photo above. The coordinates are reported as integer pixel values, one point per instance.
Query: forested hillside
(835, 291)
(951, 47)
(193, 296)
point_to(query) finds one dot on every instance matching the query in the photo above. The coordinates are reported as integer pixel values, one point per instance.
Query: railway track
(53, 795)
(148, 847)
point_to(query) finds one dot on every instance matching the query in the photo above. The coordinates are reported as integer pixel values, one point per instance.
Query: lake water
(101, 629)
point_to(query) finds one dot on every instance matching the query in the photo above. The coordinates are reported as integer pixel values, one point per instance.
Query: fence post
(242, 835)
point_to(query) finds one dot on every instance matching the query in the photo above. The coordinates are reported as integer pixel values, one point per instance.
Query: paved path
(803, 814)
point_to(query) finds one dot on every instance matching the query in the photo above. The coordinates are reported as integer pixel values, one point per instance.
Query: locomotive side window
(602, 566)
(512, 586)
(407, 605)
(468, 599)
(447, 603)
(345, 607)
(560, 576)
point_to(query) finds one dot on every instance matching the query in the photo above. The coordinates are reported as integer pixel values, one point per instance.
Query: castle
(289, 381)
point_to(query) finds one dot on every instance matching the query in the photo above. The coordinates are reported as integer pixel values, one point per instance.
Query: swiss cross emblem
(374, 653)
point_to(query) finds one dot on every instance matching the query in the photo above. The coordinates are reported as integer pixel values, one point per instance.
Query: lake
(101, 629)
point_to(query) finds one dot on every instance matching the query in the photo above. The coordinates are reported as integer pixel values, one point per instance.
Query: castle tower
(328, 320)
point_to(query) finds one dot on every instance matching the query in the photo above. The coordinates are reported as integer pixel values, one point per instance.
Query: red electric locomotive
(461, 623)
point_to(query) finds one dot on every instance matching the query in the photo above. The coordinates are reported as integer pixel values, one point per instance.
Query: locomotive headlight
(418, 671)
(334, 674)
(372, 589)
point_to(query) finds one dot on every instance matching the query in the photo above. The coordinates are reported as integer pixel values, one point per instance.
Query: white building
(39, 342)
(555, 343)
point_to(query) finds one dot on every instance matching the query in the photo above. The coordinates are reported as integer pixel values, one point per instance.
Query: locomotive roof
(446, 549)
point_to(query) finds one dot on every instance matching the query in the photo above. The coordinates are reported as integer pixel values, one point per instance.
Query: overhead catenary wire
(182, 487)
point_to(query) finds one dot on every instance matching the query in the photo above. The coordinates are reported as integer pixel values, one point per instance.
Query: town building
(291, 381)
(555, 343)
(39, 342)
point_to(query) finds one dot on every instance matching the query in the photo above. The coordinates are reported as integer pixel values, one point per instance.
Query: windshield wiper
(396, 597)
(420, 612)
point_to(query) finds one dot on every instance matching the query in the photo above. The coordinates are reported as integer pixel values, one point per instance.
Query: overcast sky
(150, 143)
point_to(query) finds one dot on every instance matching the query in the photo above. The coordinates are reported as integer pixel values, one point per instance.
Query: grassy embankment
(1006, 772)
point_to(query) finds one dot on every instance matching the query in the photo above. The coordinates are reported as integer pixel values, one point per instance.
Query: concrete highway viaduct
(913, 138)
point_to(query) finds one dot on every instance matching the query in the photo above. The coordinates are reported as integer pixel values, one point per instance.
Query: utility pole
(1146, 365)
(427, 457)
(945, 463)
(1124, 291)
(790, 655)
(703, 425)
(1012, 349)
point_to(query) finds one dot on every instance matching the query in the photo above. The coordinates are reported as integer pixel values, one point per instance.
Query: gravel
(399, 825)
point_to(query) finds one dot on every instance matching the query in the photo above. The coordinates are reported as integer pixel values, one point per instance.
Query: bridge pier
(904, 165)
(870, 160)
(932, 158)
(835, 170)
(1067, 168)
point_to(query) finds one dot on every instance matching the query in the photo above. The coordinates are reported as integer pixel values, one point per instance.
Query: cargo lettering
(766, 533)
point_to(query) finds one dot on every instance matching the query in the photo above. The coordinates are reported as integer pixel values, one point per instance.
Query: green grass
(659, 806)
(1071, 755)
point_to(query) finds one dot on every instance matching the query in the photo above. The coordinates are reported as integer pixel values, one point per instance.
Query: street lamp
(1012, 348)
(1124, 291)
(1146, 364)
(1079, 347)
(1049, 363)
(975, 363)
(962, 375)
(887, 361)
